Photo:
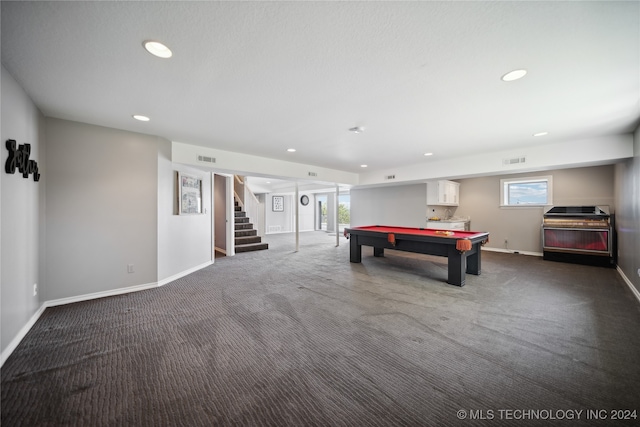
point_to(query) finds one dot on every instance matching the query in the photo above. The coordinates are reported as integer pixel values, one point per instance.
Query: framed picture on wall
(189, 194)
(278, 203)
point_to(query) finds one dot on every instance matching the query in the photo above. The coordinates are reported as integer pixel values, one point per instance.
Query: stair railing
(253, 209)
(237, 198)
(238, 188)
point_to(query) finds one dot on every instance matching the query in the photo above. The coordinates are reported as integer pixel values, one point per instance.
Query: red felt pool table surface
(457, 234)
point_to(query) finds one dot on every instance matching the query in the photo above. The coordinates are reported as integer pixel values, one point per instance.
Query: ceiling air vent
(514, 161)
(313, 174)
(206, 159)
(388, 177)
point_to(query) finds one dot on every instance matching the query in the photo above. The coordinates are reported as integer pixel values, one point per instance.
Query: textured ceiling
(261, 77)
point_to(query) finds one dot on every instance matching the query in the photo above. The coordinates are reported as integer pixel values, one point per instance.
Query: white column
(337, 215)
(297, 218)
(231, 217)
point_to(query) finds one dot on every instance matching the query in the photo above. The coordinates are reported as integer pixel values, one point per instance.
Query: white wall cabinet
(443, 193)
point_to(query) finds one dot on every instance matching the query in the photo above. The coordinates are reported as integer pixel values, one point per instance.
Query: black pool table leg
(378, 251)
(457, 267)
(473, 262)
(355, 250)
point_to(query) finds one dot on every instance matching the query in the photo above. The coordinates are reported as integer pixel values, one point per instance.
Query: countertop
(453, 219)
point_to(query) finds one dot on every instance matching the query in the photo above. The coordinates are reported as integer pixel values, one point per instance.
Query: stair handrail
(238, 188)
(252, 208)
(237, 199)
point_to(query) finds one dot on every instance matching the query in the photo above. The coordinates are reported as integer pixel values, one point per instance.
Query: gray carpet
(279, 338)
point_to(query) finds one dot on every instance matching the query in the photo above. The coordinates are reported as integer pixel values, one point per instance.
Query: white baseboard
(184, 273)
(509, 251)
(628, 282)
(63, 301)
(21, 334)
(102, 294)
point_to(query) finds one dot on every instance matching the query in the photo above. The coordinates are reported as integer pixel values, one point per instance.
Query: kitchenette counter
(453, 223)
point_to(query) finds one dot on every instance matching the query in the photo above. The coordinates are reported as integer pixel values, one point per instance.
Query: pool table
(462, 248)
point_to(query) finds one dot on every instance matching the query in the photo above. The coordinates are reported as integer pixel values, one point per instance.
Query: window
(528, 191)
(344, 210)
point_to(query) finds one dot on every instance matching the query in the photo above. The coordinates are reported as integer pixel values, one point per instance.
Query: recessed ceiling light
(141, 118)
(541, 134)
(363, 166)
(428, 154)
(514, 75)
(157, 49)
(356, 129)
(291, 150)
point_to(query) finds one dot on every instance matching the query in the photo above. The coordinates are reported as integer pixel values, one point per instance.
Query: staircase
(247, 238)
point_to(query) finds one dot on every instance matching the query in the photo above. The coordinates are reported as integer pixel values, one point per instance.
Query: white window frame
(504, 194)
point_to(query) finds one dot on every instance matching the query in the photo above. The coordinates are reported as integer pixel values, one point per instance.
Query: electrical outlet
(130, 268)
(35, 289)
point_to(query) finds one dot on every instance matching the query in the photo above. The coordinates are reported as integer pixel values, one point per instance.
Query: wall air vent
(514, 161)
(388, 177)
(313, 174)
(206, 159)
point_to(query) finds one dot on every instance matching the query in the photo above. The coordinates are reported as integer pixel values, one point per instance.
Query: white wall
(281, 221)
(102, 206)
(331, 213)
(403, 205)
(284, 222)
(21, 214)
(567, 154)
(239, 163)
(184, 241)
(306, 214)
(627, 185)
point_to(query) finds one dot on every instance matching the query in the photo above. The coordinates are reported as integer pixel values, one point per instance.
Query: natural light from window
(527, 191)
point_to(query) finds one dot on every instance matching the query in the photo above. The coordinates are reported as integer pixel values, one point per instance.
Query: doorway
(223, 215)
(321, 212)
(325, 212)
(219, 215)
(344, 211)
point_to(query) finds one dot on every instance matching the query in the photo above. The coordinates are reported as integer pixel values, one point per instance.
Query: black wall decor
(19, 159)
